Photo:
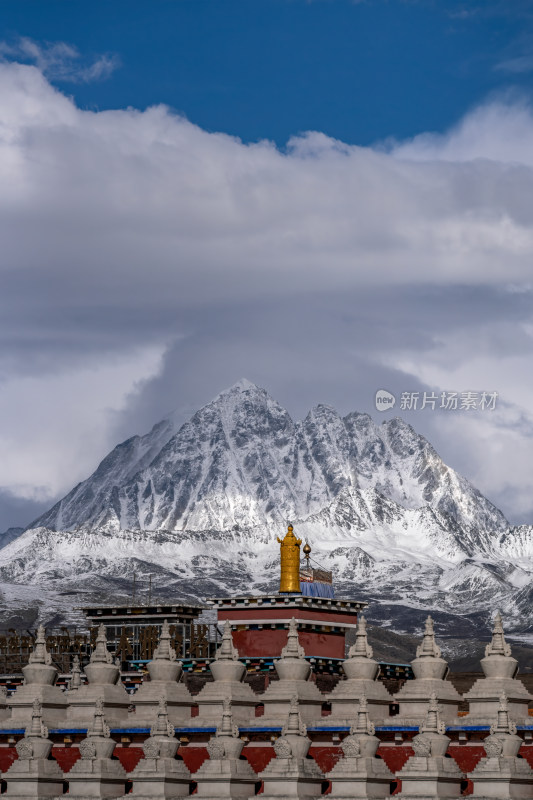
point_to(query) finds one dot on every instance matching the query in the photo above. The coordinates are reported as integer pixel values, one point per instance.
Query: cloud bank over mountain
(148, 263)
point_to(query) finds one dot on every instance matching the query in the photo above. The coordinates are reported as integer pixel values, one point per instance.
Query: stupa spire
(228, 727)
(164, 650)
(363, 724)
(101, 654)
(293, 648)
(498, 646)
(98, 727)
(503, 724)
(162, 725)
(428, 647)
(37, 729)
(360, 648)
(433, 723)
(40, 654)
(227, 650)
(75, 681)
(294, 725)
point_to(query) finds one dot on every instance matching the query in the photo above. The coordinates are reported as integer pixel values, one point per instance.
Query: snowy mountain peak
(242, 461)
(242, 385)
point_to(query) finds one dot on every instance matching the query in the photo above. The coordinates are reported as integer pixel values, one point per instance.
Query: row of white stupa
(428, 775)
(75, 707)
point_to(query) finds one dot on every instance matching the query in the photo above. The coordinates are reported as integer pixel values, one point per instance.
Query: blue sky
(357, 71)
(370, 228)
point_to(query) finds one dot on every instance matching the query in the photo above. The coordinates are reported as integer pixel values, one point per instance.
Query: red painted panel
(469, 789)
(66, 757)
(129, 757)
(7, 756)
(326, 757)
(282, 613)
(193, 757)
(395, 757)
(465, 756)
(268, 643)
(526, 751)
(258, 757)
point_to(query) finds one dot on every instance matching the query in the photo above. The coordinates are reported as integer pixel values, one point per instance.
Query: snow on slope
(199, 509)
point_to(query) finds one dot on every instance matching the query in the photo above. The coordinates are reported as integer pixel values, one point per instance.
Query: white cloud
(497, 131)
(60, 61)
(125, 229)
(56, 424)
(516, 66)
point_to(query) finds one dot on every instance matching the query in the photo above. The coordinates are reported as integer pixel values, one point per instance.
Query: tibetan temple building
(256, 695)
(259, 624)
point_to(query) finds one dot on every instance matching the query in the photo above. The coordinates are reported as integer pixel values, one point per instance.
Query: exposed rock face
(199, 508)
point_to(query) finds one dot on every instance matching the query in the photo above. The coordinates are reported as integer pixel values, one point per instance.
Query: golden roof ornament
(290, 563)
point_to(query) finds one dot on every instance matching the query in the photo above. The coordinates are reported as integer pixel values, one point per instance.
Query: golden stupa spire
(290, 562)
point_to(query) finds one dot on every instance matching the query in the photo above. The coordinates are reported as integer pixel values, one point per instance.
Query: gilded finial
(290, 562)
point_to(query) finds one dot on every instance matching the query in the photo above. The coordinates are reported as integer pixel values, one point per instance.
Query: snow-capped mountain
(241, 460)
(199, 509)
